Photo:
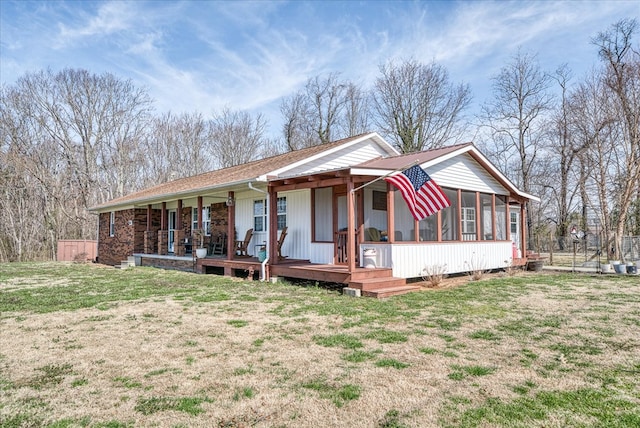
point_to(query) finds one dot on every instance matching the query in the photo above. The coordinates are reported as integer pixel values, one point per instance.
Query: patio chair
(372, 234)
(219, 246)
(283, 235)
(241, 246)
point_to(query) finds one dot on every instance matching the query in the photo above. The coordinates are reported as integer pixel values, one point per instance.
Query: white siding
(463, 172)
(347, 156)
(296, 244)
(320, 252)
(408, 260)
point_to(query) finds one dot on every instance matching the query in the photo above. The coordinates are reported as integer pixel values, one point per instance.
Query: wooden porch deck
(377, 282)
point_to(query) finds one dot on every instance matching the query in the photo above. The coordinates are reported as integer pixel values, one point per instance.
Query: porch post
(523, 229)
(199, 212)
(508, 219)
(231, 235)
(359, 201)
(178, 238)
(273, 225)
(493, 217)
(351, 240)
(479, 226)
(459, 196)
(391, 233)
(150, 239)
(163, 233)
(163, 217)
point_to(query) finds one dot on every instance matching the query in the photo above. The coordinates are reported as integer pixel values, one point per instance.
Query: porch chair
(241, 246)
(219, 246)
(372, 234)
(283, 235)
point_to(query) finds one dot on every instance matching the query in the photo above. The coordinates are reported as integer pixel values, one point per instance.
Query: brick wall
(114, 249)
(219, 219)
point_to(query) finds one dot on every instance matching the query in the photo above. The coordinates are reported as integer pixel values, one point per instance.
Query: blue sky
(205, 55)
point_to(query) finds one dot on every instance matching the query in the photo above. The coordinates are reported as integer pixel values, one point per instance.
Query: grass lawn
(91, 346)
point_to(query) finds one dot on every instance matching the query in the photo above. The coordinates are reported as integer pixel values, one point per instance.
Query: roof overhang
(174, 196)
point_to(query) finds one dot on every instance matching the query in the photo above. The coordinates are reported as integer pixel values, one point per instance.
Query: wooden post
(179, 216)
(494, 216)
(459, 196)
(391, 233)
(351, 234)
(149, 217)
(273, 225)
(199, 212)
(523, 229)
(231, 226)
(163, 217)
(479, 225)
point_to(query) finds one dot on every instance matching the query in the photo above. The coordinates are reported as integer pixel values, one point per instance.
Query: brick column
(150, 242)
(178, 243)
(163, 242)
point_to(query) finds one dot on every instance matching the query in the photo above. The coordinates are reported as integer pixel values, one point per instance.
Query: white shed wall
(463, 172)
(408, 260)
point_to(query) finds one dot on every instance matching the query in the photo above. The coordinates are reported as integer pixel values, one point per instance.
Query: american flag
(422, 195)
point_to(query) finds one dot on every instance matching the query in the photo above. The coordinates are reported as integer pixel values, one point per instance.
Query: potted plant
(201, 251)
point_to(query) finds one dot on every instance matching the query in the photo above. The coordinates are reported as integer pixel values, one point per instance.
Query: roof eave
(166, 197)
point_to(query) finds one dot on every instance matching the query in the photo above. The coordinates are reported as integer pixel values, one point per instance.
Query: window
(469, 220)
(206, 220)
(282, 213)
(260, 214)
(112, 223)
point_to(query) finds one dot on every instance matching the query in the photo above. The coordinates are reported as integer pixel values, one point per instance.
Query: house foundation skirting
(186, 264)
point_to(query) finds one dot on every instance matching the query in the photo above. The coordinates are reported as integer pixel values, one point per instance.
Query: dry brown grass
(165, 347)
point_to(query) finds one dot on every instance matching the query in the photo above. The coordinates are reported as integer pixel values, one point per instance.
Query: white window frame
(468, 215)
(206, 219)
(281, 212)
(112, 223)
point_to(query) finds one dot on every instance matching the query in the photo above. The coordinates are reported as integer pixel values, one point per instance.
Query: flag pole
(386, 175)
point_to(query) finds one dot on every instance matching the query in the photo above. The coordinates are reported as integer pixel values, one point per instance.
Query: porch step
(361, 274)
(125, 264)
(369, 284)
(381, 293)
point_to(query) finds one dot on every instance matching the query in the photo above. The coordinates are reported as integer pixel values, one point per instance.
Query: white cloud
(112, 17)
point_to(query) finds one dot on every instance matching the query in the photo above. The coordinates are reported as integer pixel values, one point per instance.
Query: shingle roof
(230, 175)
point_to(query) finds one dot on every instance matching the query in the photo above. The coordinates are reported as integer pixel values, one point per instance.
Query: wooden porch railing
(342, 249)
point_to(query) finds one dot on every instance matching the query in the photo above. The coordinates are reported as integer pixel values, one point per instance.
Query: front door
(514, 227)
(172, 229)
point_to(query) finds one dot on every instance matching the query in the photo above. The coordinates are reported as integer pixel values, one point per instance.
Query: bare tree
(237, 137)
(327, 109)
(515, 117)
(563, 150)
(417, 105)
(621, 76)
(592, 129)
(177, 146)
(296, 128)
(69, 141)
(356, 113)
